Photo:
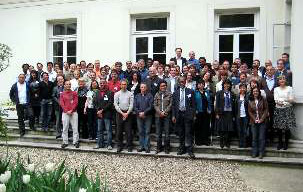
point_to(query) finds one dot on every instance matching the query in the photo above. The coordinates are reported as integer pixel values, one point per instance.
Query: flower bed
(28, 177)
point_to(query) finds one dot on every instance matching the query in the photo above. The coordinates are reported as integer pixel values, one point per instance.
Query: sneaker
(191, 155)
(64, 145)
(109, 148)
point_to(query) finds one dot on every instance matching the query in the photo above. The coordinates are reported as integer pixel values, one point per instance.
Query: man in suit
(179, 60)
(19, 94)
(183, 113)
(172, 81)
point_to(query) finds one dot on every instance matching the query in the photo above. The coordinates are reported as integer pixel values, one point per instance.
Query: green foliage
(5, 55)
(61, 179)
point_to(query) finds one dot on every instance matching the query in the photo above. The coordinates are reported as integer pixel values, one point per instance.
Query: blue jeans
(144, 131)
(104, 124)
(242, 126)
(46, 111)
(258, 134)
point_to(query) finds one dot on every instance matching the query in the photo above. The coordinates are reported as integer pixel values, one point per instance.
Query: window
(236, 37)
(63, 42)
(149, 38)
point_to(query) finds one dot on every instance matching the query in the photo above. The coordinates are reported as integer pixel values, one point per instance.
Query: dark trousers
(258, 133)
(224, 138)
(270, 129)
(283, 134)
(59, 126)
(242, 127)
(36, 112)
(92, 122)
(162, 125)
(184, 127)
(144, 126)
(202, 128)
(21, 110)
(46, 111)
(126, 125)
(82, 123)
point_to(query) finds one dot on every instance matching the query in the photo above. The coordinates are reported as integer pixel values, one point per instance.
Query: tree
(5, 55)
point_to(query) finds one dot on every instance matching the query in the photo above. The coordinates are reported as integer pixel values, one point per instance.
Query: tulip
(2, 188)
(26, 179)
(82, 190)
(30, 167)
(5, 177)
(49, 167)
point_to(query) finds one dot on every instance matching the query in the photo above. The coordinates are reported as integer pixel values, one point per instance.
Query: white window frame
(236, 32)
(149, 34)
(63, 38)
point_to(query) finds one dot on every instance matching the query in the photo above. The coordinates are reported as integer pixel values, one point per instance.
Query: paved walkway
(272, 178)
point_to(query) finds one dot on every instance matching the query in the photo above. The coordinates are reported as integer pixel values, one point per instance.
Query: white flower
(2, 188)
(26, 179)
(30, 167)
(49, 167)
(82, 190)
(5, 177)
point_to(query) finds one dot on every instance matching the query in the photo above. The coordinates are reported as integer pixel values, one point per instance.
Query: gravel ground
(140, 173)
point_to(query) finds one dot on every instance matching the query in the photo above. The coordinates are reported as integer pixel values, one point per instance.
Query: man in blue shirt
(193, 61)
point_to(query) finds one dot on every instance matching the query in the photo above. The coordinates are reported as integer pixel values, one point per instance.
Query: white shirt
(172, 84)
(219, 86)
(52, 76)
(283, 95)
(21, 93)
(74, 84)
(242, 107)
(179, 63)
(89, 98)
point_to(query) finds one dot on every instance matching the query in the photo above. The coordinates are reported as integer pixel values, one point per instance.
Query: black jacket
(189, 104)
(220, 103)
(104, 102)
(13, 94)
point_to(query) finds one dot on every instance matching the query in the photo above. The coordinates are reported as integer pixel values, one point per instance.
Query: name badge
(155, 84)
(105, 98)
(189, 95)
(115, 88)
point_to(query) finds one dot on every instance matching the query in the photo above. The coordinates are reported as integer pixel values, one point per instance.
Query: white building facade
(116, 30)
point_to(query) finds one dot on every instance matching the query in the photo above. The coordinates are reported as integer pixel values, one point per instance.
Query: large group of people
(191, 98)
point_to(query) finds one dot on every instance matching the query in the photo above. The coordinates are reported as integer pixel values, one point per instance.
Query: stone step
(220, 157)
(214, 149)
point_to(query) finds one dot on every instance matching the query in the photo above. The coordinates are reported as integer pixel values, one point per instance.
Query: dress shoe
(130, 150)
(58, 136)
(119, 149)
(166, 151)
(77, 145)
(140, 149)
(279, 147)
(158, 151)
(64, 145)
(22, 134)
(147, 150)
(253, 156)
(181, 152)
(191, 155)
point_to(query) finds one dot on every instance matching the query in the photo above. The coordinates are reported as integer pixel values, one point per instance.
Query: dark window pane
(246, 43)
(71, 48)
(160, 57)
(225, 56)
(159, 45)
(58, 60)
(59, 29)
(151, 24)
(58, 48)
(144, 57)
(71, 59)
(71, 28)
(142, 45)
(247, 58)
(226, 43)
(237, 20)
